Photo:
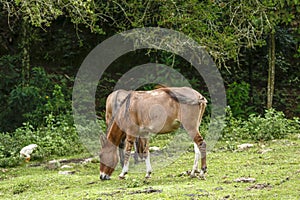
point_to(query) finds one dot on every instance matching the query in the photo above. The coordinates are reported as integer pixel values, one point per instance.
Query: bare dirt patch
(146, 191)
(260, 186)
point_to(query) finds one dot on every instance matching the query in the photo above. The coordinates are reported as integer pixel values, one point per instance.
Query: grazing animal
(157, 111)
(113, 104)
(27, 151)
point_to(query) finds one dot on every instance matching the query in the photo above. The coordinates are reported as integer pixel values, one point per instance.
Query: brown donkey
(156, 111)
(113, 104)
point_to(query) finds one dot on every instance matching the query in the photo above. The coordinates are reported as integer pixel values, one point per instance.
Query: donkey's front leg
(129, 143)
(148, 166)
(147, 160)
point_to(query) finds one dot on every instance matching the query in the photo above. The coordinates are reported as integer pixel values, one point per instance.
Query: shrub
(43, 94)
(273, 125)
(232, 129)
(58, 137)
(238, 98)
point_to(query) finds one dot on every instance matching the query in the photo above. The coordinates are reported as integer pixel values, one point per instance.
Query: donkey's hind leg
(200, 150)
(196, 161)
(129, 143)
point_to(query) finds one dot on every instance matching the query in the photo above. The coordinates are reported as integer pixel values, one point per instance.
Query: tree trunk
(271, 71)
(250, 73)
(25, 47)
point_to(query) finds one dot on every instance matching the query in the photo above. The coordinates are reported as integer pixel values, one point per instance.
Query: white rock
(53, 161)
(245, 146)
(154, 148)
(53, 164)
(245, 180)
(66, 167)
(263, 151)
(66, 172)
(88, 160)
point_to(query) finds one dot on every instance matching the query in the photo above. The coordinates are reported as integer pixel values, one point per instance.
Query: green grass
(278, 170)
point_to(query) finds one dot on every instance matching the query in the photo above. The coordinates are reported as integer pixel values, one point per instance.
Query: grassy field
(274, 167)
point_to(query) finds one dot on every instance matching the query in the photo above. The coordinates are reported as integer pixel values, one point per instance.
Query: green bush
(233, 126)
(42, 95)
(52, 104)
(58, 137)
(238, 98)
(273, 125)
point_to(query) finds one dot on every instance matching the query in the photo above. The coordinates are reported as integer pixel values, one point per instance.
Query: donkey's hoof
(203, 170)
(193, 176)
(148, 175)
(122, 175)
(104, 177)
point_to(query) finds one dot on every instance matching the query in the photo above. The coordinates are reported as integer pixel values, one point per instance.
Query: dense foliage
(272, 125)
(43, 43)
(57, 137)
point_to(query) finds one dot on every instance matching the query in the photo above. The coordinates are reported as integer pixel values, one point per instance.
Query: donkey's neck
(115, 134)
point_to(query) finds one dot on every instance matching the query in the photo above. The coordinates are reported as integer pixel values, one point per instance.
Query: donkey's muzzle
(104, 177)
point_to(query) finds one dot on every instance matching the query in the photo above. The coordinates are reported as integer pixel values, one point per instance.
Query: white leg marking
(196, 160)
(126, 166)
(104, 176)
(148, 166)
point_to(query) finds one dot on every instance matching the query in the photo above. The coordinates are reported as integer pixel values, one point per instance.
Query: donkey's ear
(102, 139)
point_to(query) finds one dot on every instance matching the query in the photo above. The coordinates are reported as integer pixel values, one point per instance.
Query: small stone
(66, 172)
(53, 164)
(263, 151)
(53, 161)
(88, 160)
(245, 180)
(154, 148)
(245, 146)
(260, 186)
(219, 188)
(227, 182)
(66, 167)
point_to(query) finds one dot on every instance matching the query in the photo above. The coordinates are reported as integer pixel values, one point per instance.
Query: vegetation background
(255, 45)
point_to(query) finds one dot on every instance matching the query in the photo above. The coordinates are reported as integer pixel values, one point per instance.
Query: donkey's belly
(161, 126)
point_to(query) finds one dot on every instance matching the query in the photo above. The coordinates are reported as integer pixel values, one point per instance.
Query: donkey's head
(108, 158)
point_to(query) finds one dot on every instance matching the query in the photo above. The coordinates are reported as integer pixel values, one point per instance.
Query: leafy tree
(35, 13)
(257, 23)
(223, 27)
(229, 30)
